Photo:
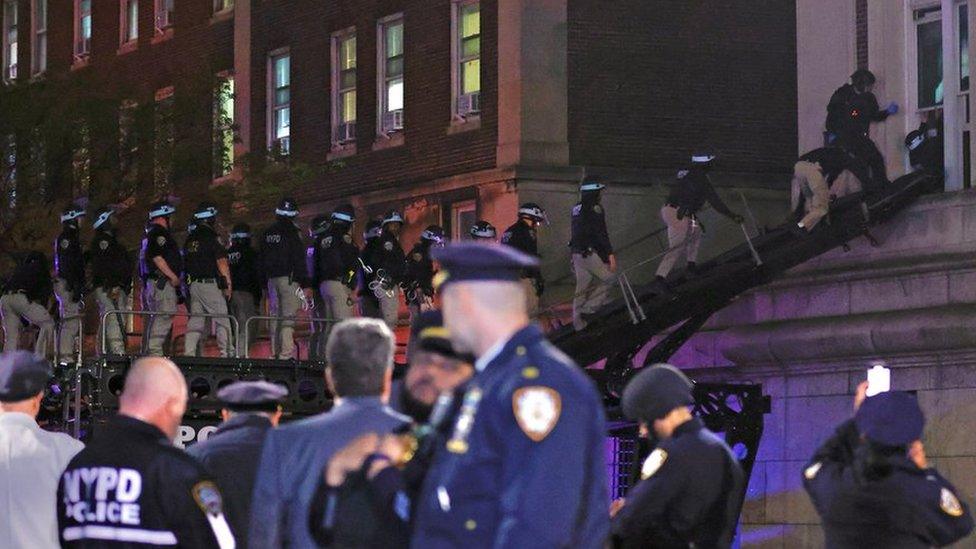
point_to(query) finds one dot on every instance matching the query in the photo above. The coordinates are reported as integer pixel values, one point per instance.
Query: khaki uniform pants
(159, 301)
(242, 307)
(809, 182)
(283, 302)
(531, 300)
(337, 306)
(592, 286)
(684, 239)
(206, 297)
(114, 338)
(12, 308)
(70, 310)
(390, 307)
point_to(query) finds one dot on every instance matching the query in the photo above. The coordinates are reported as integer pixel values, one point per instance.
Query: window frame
(128, 41)
(11, 50)
(272, 107)
(336, 41)
(81, 56)
(459, 231)
(383, 79)
(38, 36)
(932, 14)
(221, 139)
(163, 28)
(458, 59)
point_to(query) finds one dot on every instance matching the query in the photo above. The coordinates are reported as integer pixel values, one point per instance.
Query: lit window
(163, 141)
(9, 40)
(128, 142)
(39, 36)
(220, 6)
(128, 21)
(467, 56)
(223, 126)
(83, 29)
(163, 16)
(928, 24)
(344, 87)
(279, 117)
(390, 74)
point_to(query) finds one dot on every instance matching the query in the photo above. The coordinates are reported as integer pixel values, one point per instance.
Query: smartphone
(879, 380)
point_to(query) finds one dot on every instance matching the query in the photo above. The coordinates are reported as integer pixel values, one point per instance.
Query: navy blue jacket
(523, 465)
(293, 462)
(231, 456)
(910, 508)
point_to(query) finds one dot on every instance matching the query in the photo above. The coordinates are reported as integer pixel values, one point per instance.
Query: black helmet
(483, 230)
(914, 139)
(161, 208)
(433, 233)
(591, 184)
(241, 231)
(102, 215)
(533, 211)
(287, 208)
(392, 216)
(344, 213)
(71, 213)
(655, 391)
(206, 210)
(320, 224)
(702, 158)
(863, 78)
(373, 229)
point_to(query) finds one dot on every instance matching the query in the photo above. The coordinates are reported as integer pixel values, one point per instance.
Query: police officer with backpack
(523, 236)
(69, 281)
(289, 286)
(207, 274)
(111, 270)
(161, 263)
(245, 281)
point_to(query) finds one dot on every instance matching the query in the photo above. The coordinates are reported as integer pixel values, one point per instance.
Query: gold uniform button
(470, 524)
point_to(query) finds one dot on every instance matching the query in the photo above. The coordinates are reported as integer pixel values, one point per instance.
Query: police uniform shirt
(242, 260)
(524, 463)
(110, 263)
(388, 255)
(910, 508)
(692, 189)
(523, 238)
(160, 243)
(132, 488)
(337, 256)
(589, 231)
(31, 462)
(201, 252)
(420, 268)
(283, 254)
(690, 492)
(69, 260)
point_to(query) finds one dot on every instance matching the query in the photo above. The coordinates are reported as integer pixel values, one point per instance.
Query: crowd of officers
(493, 438)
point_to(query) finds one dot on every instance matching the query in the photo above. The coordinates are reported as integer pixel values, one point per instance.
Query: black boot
(660, 287)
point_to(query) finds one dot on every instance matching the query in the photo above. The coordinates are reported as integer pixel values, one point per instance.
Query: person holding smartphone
(872, 485)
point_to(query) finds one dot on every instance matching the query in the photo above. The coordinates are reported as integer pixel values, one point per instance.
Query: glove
(892, 108)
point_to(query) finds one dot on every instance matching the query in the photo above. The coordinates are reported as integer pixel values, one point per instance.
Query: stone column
(242, 76)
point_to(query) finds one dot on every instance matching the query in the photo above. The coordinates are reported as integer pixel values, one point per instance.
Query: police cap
(476, 261)
(655, 391)
(287, 207)
(433, 233)
(534, 211)
(892, 418)
(22, 375)
(702, 157)
(914, 139)
(252, 395)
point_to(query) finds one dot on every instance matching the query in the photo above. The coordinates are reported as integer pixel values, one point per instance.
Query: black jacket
(231, 455)
(159, 242)
(419, 274)
(336, 257)
(386, 254)
(243, 262)
(201, 251)
(834, 160)
(692, 189)
(589, 231)
(524, 239)
(33, 278)
(69, 259)
(111, 265)
(850, 112)
(283, 254)
(130, 483)
(691, 492)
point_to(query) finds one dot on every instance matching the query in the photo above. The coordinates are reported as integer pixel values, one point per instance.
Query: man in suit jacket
(359, 354)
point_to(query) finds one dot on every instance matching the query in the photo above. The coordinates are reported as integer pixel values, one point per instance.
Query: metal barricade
(231, 344)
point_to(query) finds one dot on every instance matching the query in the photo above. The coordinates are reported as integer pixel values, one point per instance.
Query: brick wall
(651, 80)
(428, 151)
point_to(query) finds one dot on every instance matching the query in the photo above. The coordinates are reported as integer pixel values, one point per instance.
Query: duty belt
(191, 280)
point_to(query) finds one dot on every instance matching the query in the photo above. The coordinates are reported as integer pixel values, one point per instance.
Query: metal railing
(103, 333)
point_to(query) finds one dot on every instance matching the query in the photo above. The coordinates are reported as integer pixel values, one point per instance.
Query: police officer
(132, 485)
(419, 277)
(250, 409)
(680, 213)
(69, 281)
(317, 231)
(872, 485)
(208, 277)
(820, 174)
(850, 112)
(283, 264)
(111, 270)
(523, 236)
(926, 145)
(387, 262)
(593, 259)
(691, 486)
(483, 231)
(245, 281)
(337, 261)
(26, 296)
(161, 262)
(369, 304)
(524, 465)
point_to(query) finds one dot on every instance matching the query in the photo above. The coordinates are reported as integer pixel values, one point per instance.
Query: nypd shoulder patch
(208, 497)
(388, 246)
(537, 410)
(653, 463)
(347, 238)
(950, 503)
(103, 244)
(598, 208)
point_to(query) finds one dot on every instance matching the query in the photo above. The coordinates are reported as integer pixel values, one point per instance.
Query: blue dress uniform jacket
(231, 455)
(293, 462)
(690, 493)
(910, 508)
(524, 464)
